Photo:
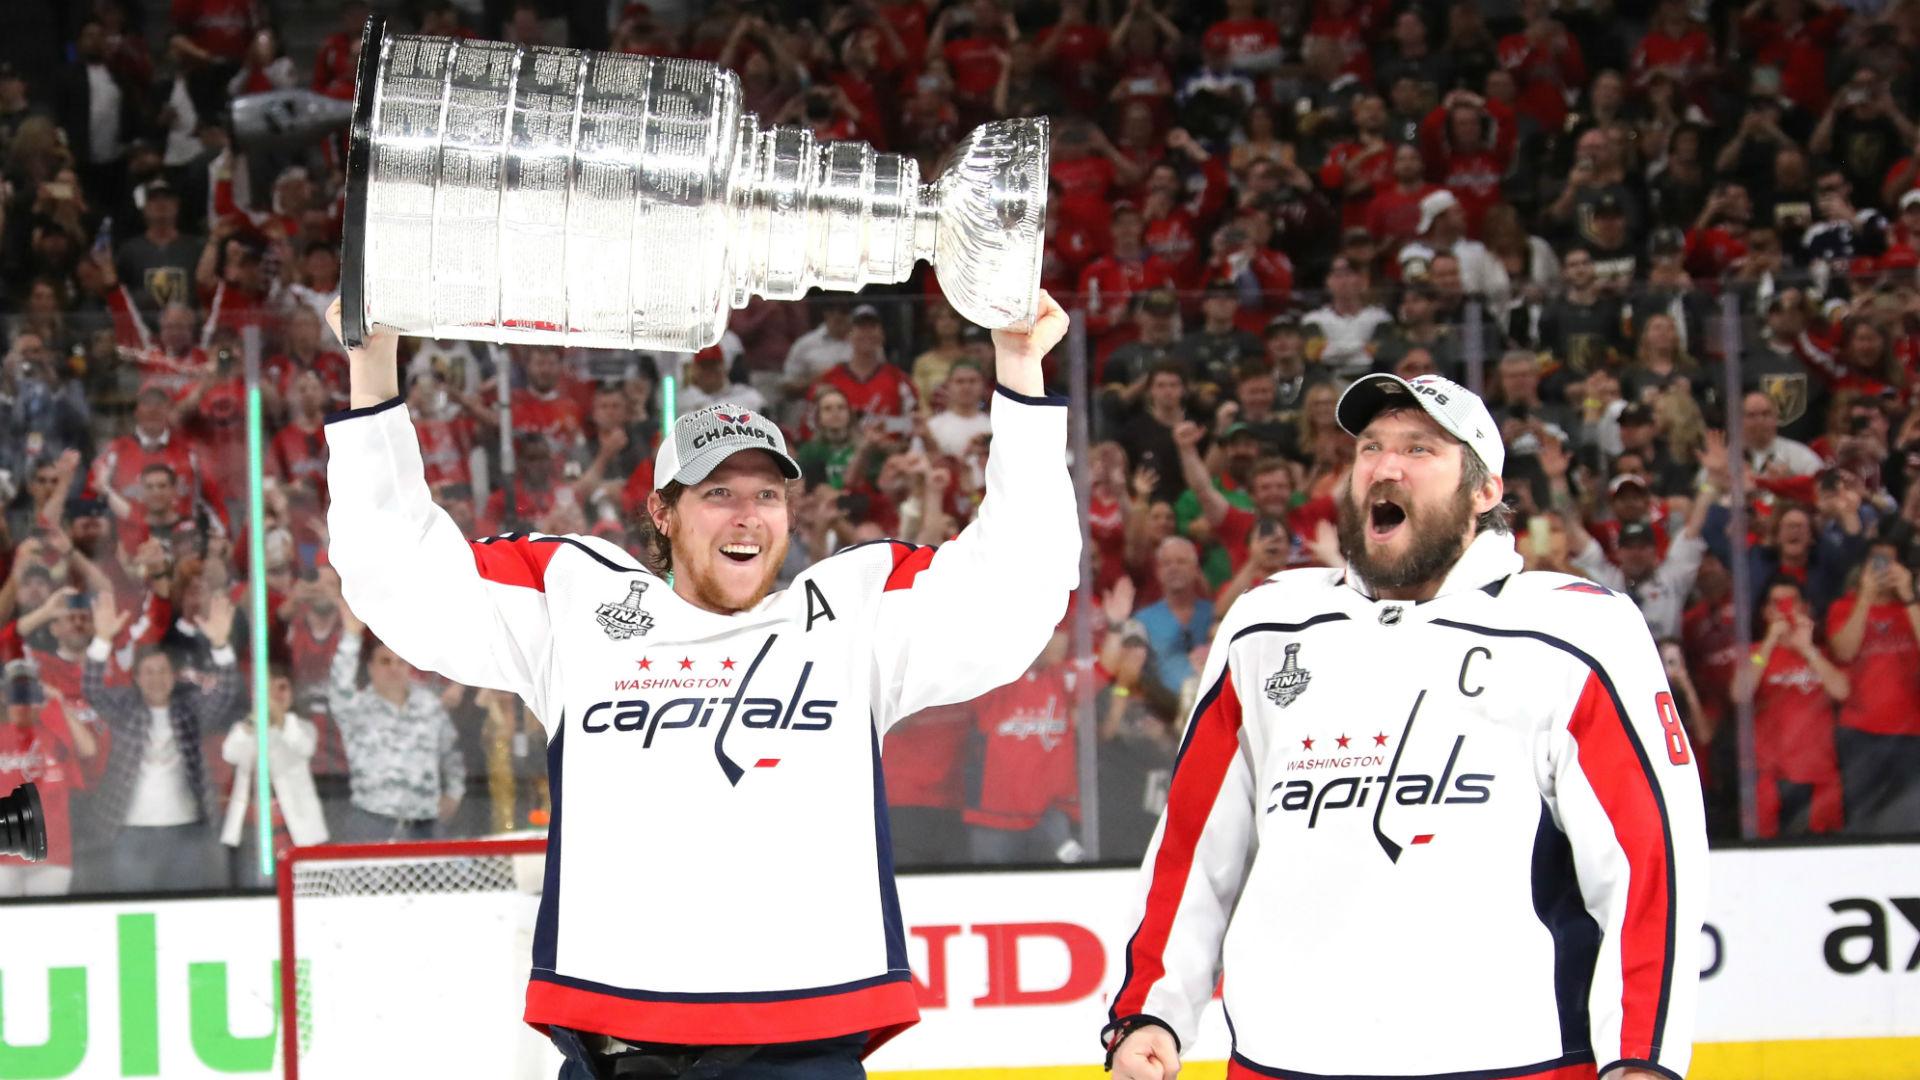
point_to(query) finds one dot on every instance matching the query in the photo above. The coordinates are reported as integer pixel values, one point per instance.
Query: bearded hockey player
(1432, 817)
(719, 897)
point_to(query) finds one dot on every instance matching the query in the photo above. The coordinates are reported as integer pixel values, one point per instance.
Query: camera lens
(23, 826)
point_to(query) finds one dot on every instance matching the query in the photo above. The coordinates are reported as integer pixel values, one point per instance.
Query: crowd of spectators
(1641, 227)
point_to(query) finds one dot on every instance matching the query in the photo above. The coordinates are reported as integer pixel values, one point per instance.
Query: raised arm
(1193, 469)
(993, 594)
(474, 612)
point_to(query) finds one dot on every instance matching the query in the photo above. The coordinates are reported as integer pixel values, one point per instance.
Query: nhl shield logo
(1290, 681)
(625, 619)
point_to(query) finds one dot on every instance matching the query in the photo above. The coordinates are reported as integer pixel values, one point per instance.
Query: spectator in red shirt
(43, 742)
(1357, 167)
(973, 38)
(1393, 213)
(297, 454)
(1263, 276)
(1468, 143)
(873, 386)
(1251, 43)
(535, 486)
(1075, 51)
(1088, 170)
(1024, 800)
(1677, 47)
(1875, 631)
(153, 440)
(1788, 48)
(1794, 688)
(1110, 282)
(1349, 25)
(549, 404)
(925, 759)
(1546, 63)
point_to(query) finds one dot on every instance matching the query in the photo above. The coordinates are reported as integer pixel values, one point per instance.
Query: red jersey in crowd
(1713, 654)
(1797, 51)
(1252, 45)
(333, 66)
(126, 457)
(1068, 250)
(446, 445)
(975, 62)
(1174, 239)
(923, 757)
(1079, 54)
(1085, 183)
(42, 753)
(1350, 160)
(1109, 284)
(1793, 741)
(1107, 527)
(557, 414)
(1393, 215)
(1350, 30)
(886, 391)
(1472, 173)
(1885, 673)
(1687, 59)
(221, 27)
(1029, 763)
(1712, 251)
(297, 456)
(1544, 71)
(281, 369)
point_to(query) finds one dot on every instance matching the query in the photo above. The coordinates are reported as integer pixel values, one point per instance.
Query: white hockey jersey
(1455, 838)
(718, 867)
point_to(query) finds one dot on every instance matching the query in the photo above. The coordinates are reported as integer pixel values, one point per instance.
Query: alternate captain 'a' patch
(1585, 587)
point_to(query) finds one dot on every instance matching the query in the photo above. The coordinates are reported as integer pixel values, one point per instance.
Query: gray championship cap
(702, 440)
(1454, 407)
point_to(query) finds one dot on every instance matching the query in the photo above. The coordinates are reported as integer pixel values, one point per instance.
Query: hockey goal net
(409, 960)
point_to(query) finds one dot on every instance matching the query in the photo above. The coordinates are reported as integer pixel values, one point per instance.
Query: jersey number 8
(1670, 723)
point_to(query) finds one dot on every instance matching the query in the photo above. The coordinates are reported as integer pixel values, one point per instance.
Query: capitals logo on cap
(701, 440)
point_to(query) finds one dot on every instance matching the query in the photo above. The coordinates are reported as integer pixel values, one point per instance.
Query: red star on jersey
(685, 663)
(726, 665)
(645, 664)
(1342, 740)
(1379, 740)
(1306, 743)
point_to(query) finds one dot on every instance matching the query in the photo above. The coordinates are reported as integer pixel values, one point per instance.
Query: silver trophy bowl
(502, 193)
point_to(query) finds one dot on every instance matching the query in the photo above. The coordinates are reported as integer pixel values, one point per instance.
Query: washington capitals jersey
(718, 865)
(1456, 838)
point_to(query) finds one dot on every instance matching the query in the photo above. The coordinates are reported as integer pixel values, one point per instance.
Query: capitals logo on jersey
(625, 619)
(1290, 681)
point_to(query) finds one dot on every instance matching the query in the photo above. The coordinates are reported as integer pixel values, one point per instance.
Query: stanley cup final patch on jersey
(624, 618)
(1290, 681)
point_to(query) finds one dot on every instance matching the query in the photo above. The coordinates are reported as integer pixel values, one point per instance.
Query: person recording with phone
(1875, 630)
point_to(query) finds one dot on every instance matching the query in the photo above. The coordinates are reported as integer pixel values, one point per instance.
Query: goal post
(409, 959)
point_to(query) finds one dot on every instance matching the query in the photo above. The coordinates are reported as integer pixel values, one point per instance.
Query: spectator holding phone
(1875, 631)
(1794, 687)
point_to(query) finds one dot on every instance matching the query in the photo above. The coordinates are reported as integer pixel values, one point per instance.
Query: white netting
(416, 965)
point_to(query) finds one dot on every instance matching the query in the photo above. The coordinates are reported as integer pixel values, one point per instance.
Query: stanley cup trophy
(502, 193)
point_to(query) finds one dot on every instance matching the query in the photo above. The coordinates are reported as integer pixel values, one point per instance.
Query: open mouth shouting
(1385, 518)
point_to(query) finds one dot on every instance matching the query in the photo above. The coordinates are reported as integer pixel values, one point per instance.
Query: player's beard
(711, 594)
(1436, 535)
